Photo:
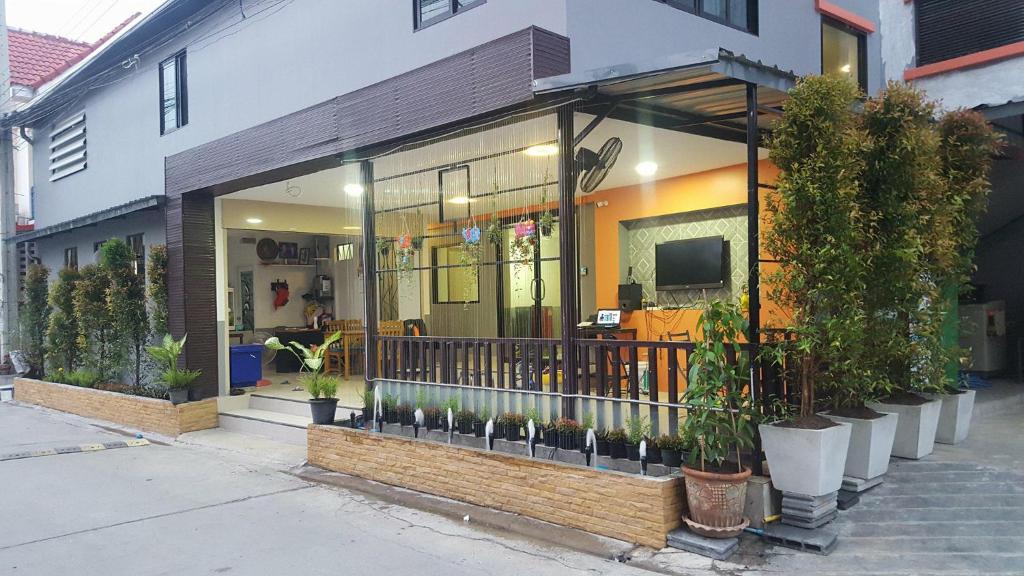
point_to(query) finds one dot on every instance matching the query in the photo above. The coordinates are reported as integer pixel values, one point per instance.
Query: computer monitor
(608, 318)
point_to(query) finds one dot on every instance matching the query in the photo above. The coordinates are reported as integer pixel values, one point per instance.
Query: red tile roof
(37, 58)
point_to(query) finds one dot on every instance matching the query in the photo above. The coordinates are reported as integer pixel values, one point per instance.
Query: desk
(285, 362)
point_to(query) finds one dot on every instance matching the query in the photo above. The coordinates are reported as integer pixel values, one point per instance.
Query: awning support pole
(369, 273)
(754, 260)
(567, 246)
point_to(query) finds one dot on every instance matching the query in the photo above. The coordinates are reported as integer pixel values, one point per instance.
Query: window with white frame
(427, 12)
(68, 153)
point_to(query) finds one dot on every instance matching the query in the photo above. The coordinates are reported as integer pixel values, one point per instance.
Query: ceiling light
(845, 68)
(254, 220)
(542, 150)
(647, 168)
(462, 200)
(352, 228)
(354, 189)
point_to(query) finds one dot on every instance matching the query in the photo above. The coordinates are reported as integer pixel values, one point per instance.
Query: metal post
(369, 273)
(567, 239)
(753, 259)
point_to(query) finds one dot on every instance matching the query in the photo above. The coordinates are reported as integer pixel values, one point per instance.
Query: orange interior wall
(712, 189)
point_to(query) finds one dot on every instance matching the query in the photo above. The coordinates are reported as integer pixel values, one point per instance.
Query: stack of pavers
(809, 512)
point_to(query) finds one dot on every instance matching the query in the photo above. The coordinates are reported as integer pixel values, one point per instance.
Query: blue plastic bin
(246, 365)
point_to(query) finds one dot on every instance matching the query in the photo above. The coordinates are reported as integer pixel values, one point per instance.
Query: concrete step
(279, 426)
(295, 407)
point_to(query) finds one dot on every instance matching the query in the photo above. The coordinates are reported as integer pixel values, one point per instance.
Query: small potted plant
(178, 381)
(653, 450)
(636, 430)
(602, 448)
(390, 408)
(568, 434)
(480, 424)
(322, 388)
(722, 419)
(406, 416)
(617, 443)
(368, 407)
(452, 403)
(464, 420)
(587, 424)
(533, 414)
(551, 434)
(672, 447)
(512, 426)
(432, 418)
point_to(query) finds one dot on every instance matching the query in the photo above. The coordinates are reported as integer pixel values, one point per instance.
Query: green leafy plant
(421, 399)
(637, 429)
(166, 355)
(511, 419)
(451, 403)
(617, 435)
(485, 414)
(721, 416)
(588, 421)
(126, 298)
(390, 401)
(322, 386)
(98, 336)
(311, 362)
(533, 414)
(816, 233)
(35, 317)
(368, 400)
(672, 442)
(156, 272)
(63, 332)
(465, 419)
(82, 377)
(567, 426)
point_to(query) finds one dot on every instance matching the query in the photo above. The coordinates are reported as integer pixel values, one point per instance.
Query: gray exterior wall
(149, 223)
(310, 51)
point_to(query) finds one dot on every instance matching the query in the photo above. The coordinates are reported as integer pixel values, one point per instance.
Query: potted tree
(816, 233)
(178, 381)
(322, 388)
(721, 417)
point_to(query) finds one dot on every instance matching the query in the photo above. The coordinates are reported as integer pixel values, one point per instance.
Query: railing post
(369, 273)
(567, 250)
(754, 259)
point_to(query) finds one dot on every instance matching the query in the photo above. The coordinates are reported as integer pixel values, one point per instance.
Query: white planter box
(955, 417)
(808, 462)
(915, 431)
(870, 445)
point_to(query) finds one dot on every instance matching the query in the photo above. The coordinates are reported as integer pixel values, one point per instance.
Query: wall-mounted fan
(595, 165)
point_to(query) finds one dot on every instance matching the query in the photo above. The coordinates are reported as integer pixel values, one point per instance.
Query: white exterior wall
(149, 223)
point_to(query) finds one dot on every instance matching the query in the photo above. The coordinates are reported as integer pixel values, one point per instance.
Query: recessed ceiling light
(647, 168)
(354, 189)
(462, 200)
(845, 68)
(254, 220)
(542, 150)
(352, 228)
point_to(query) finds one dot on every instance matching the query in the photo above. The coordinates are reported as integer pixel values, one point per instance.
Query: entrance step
(288, 428)
(292, 406)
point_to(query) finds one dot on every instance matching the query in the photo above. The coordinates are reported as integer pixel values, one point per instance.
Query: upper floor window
(71, 258)
(427, 12)
(67, 147)
(739, 14)
(843, 52)
(173, 93)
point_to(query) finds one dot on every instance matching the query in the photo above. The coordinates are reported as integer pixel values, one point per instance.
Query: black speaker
(630, 296)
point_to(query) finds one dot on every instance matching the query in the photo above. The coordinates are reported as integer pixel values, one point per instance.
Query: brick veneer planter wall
(624, 506)
(148, 414)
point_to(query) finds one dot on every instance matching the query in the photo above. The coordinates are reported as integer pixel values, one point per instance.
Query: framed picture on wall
(288, 250)
(304, 256)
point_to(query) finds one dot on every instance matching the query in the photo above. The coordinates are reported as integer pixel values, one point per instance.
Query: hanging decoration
(547, 219)
(494, 227)
(405, 253)
(525, 241)
(469, 257)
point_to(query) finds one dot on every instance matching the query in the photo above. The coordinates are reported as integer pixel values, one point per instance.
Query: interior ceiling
(676, 153)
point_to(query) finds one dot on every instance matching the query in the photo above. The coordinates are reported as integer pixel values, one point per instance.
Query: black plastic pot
(391, 416)
(323, 410)
(653, 454)
(178, 395)
(633, 451)
(551, 438)
(671, 458)
(603, 448)
(581, 441)
(499, 430)
(567, 441)
(406, 419)
(479, 428)
(513, 433)
(433, 422)
(617, 449)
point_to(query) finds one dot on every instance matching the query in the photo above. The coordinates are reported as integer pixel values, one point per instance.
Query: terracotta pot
(716, 502)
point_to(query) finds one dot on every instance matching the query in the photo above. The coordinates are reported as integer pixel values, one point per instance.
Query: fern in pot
(722, 418)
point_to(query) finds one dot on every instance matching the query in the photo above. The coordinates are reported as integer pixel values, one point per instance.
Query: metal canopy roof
(702, 93)
(93, 219)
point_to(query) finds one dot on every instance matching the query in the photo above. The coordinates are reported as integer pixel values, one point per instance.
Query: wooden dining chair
(334, 353)
(387, 328)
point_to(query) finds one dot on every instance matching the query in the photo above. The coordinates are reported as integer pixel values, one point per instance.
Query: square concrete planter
(915, 431)
(954, 417)
(870, 445)
(809, 462)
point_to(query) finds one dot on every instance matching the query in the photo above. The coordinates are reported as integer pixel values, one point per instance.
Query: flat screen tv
(693, 263)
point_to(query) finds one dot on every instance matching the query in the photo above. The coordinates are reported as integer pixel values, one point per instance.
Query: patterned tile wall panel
(729, 222)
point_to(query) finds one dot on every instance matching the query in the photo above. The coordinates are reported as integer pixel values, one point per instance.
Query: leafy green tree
(126, 299)
(156, 271)
(815, 231)
(35, 315)
(98, 337)
(901, 201)
(64, 331)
